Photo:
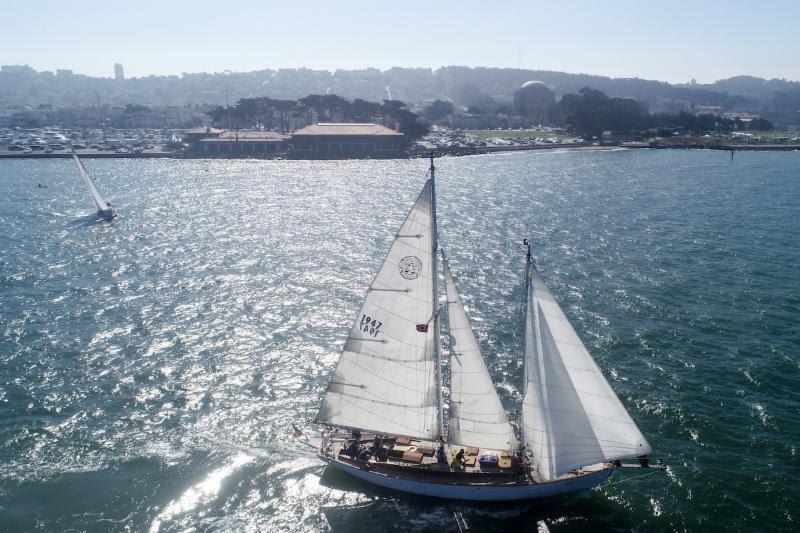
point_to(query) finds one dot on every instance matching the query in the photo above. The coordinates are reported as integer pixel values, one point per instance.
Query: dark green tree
(438, 110)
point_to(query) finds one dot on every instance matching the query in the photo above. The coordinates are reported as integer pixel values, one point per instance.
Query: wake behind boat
(104, 208)
(386, 391)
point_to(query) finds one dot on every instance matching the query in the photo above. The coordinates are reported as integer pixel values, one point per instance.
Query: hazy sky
(672, 41)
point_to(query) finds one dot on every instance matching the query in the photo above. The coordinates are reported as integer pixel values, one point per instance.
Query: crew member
(458, 460)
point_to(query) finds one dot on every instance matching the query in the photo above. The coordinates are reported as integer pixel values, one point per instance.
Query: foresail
(98, 200)
(571, 415)
(385, 380)
(477, 417)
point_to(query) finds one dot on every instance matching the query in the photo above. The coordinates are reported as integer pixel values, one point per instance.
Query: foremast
(571, 417)
(435, 290)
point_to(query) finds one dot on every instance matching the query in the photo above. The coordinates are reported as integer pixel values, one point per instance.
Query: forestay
(385, 380)
(477, 417)
(571, 416)
(98, 200)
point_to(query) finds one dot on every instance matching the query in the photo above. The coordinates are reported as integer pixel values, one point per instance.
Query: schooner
(384, 404)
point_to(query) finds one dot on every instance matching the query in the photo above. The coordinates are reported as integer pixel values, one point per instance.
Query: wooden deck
(416, 459)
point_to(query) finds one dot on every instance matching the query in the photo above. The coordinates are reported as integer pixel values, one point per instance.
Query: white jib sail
(385, 380)
(477, 417)
(96, 197)
(571, 415)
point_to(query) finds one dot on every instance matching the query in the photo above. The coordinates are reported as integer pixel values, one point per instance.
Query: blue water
(150, 367)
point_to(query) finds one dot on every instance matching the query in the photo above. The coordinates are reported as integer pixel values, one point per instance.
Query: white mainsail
(99, 201)
(477, 417)
(385, 380)
(571, 415)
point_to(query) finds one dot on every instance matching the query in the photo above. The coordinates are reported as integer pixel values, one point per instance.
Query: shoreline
(453, 152)
(725, 147)
(87, 155)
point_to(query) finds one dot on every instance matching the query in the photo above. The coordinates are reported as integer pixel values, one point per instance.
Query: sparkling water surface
(150, 367)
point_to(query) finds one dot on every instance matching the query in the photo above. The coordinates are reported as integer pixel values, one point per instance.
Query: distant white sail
(571, 415)
(477, 417)
(99, 201)
(385, 380)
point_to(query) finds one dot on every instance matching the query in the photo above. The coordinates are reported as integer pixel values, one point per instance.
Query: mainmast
(528, 262)
(435, 284)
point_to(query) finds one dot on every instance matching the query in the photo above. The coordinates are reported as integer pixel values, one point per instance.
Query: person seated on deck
(350, 448)
(363, 454)
(441, 455)
(458, 460)
(644, 462)
(376, 445)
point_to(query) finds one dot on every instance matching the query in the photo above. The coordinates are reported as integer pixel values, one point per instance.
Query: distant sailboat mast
(103, 207)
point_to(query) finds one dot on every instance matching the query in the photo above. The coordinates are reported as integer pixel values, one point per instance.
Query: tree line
(282, 115)
(591, 112)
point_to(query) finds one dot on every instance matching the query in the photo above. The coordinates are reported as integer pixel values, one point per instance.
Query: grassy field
(771, 134)
(505, 134)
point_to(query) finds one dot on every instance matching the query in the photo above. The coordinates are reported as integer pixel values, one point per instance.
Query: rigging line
(482, 432)
(585, 413)
(389, 311)
(380, 377)
(629, 479)
(622, 444)
(424, 405)
(393, 421)
(594, 369)
(567, 387)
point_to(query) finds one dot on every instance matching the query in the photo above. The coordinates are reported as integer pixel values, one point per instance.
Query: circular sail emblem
(410, 267)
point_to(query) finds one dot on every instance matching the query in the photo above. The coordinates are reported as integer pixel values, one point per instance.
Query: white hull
(487, 493)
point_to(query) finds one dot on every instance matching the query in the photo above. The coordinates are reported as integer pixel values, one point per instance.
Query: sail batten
(571, 415)
(477, 416)
(385, 380)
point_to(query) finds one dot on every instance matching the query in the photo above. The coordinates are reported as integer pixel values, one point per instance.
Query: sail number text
(370, 326)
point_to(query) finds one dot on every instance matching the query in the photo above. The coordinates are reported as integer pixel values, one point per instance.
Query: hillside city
(451, 109)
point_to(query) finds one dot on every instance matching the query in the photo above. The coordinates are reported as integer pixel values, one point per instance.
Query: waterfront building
(194, 135)
(262, 144)
(347, 141)
(119, 73)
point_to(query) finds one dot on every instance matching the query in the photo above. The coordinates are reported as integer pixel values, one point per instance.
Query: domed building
(533, 101)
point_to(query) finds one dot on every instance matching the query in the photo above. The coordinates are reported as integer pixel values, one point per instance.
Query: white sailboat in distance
(104, 208)
(383, 406)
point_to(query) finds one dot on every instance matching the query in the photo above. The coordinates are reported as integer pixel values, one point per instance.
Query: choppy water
(150, 367)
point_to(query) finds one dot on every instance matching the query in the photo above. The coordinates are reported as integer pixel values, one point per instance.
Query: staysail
(96, 197)
(385, 380)
(477, 417)
(571, 415)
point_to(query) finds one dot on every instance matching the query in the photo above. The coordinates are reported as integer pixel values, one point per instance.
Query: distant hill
(749, 86)
(503, 82)
(24, 86)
